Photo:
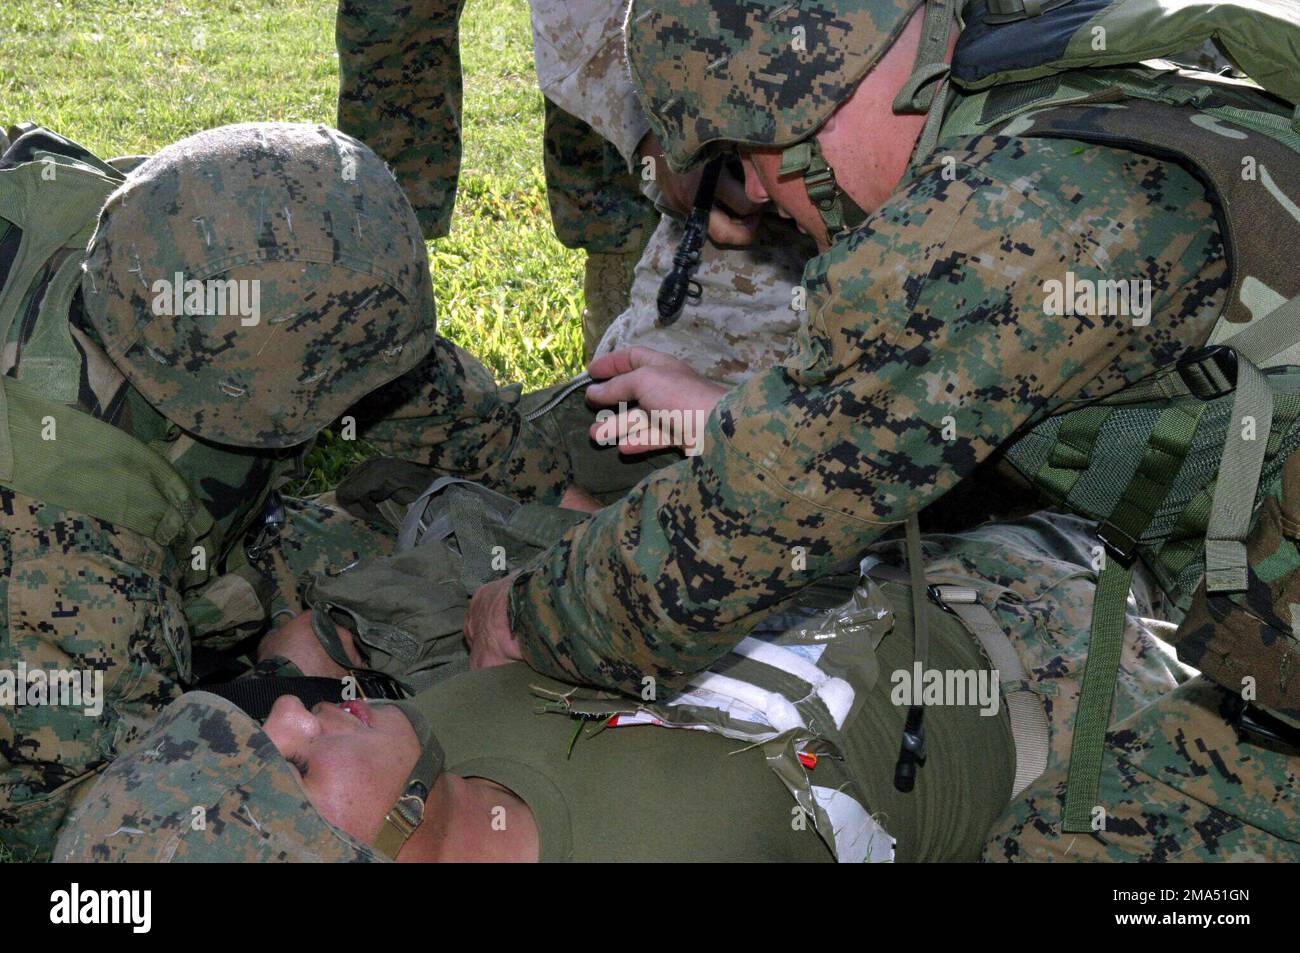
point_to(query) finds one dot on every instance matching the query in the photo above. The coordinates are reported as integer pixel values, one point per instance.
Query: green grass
(133, 75)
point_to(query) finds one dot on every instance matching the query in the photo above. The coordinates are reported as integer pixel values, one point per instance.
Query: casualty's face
(353, 759)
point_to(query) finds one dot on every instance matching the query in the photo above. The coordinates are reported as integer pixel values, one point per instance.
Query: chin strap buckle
(402, 820)
(838, 211)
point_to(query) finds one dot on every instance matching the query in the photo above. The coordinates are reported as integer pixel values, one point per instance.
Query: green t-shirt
(637, 793)
(648, 793)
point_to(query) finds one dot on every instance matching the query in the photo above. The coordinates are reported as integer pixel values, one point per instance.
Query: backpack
(1194, 468)
(51, 191)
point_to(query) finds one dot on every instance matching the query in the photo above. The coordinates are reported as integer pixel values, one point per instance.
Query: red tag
(809, 761)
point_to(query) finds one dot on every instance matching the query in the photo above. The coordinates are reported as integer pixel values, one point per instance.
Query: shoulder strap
(54, 202)
(66, 457)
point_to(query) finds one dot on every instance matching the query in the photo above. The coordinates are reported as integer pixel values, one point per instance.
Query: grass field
(134, 75)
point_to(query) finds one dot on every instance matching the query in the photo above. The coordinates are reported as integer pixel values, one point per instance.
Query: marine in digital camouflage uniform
(931, 310)
(400, 93)
(345, 306)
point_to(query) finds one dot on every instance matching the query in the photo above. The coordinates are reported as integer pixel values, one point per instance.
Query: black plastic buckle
(1256, 726)
(377, 685)
(1192, 368)
(911, 754)
(1120, 546)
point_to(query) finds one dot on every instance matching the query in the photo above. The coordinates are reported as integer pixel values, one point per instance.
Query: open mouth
(359, 710)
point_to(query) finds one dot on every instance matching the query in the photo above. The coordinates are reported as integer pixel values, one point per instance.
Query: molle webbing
(51, 191)
(1166, 449)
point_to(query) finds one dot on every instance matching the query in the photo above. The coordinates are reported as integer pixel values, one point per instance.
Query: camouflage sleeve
(450, 414)
(581, 67)
(93, 645)
(927, 346)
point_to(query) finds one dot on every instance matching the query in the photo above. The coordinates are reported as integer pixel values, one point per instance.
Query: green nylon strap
(926, 89)
(918, 92)
(1186, 543)
(1008, 11)
(1105, 647)
(836, 208)
(929, 137)
(51, 363)
(1240, 466)
(54, 204)
(1072, 451)
(1170, 439)
(1272, 334)
(920, 594)
(91, 467)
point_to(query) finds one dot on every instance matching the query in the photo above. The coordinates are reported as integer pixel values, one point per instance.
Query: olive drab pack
(453, 536)
(1193, 469)
(51, 191)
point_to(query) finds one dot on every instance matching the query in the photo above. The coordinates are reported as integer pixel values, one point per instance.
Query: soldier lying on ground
(520, 782)
(243, 288)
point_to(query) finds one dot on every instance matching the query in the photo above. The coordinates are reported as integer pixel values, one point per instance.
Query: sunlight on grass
(132, 76)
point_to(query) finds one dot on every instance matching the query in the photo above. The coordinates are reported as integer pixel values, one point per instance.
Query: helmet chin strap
(407, 813)
(926, 91)
(837, 209)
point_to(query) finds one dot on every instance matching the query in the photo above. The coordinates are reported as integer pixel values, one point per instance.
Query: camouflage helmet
(754, 72)
(255, 280)
(207, 784)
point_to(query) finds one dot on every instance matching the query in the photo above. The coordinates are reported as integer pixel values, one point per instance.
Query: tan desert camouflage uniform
(400, 93)
(745, 318)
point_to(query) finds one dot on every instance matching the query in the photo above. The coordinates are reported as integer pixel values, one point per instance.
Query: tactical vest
(1178, 467)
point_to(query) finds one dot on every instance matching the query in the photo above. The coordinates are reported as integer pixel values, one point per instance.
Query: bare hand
(659, 385)
(734, 218)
